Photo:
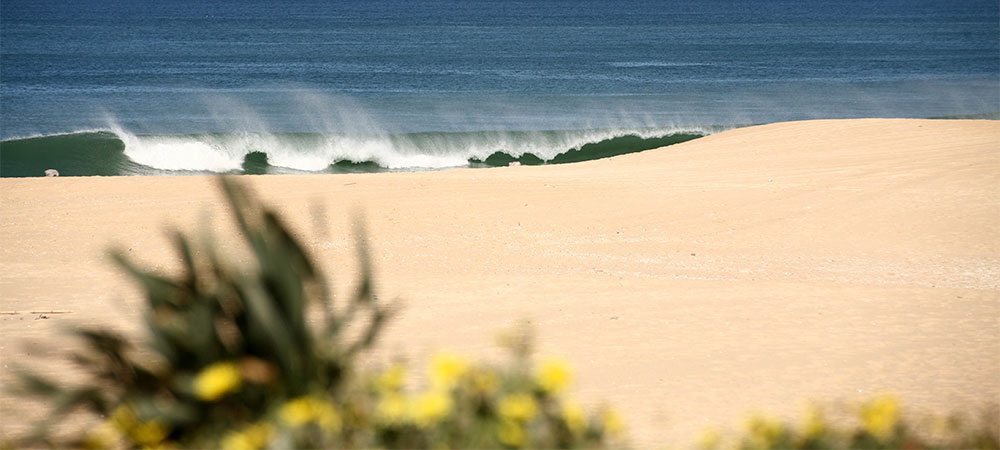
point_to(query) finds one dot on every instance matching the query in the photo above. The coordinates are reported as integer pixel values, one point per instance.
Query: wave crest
(120, 152)
(408, 151)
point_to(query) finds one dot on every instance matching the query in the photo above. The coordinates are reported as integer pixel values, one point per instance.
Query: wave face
(120, 152)
(74, 154)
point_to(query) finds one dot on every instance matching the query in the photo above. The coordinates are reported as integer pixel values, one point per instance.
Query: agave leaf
(89, 397)
(147, 380)
(364, 292)
(218, 268)
(188, 336)
(285, 287)
(113, 364)
(367, 340)
(31, 383)
(265, 329)
(171, 412)
(159, 290)
(215, 312)
(187, 256)
(238, 201)
(104, 341)
(201, 337)
(321, 291)
(161, 341)
(85, 360)
(290, 245)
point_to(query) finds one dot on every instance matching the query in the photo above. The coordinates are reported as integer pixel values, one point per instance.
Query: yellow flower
(148, 434)
(710, 439)
(764, 432)
(328, 418)
(104, 436)
(518, 407)
(431, 407)
(512, 434)
(392, 408)
(309, 409)
(880, 416)
(814, 424)
(575, 416)
(945, 426)
(483, 381)
(297, 412)
(251, 438)
(613, 423)
(392, 379)
(236, 441)
(446, 369)
(123, 419)
(554, 376)
(217, 380)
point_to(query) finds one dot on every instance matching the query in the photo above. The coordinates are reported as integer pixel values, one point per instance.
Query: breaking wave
(117, 151)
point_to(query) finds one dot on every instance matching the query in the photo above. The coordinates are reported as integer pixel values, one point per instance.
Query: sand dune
(746, 271)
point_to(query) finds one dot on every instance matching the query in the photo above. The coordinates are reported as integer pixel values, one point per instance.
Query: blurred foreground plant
(233, 363)
(878, 424)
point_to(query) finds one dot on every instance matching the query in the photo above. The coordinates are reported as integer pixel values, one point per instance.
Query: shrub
(877, 424)
(232, 362)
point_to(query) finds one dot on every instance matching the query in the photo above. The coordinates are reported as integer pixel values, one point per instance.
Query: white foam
(316, 152)
(179, 152)
(343, 130)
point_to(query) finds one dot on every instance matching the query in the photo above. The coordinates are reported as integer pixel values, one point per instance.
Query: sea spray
(122, 152)
(196, 153)
(342, 136)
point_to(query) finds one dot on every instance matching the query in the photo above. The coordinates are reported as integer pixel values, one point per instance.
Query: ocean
(128, 87)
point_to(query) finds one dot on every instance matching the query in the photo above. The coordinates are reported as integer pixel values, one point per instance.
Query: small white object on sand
(514, 163)
(51, 173)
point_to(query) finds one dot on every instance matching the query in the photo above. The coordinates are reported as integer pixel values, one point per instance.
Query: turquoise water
(134, 87)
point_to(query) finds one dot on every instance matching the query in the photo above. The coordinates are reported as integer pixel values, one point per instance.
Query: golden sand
(750, 270)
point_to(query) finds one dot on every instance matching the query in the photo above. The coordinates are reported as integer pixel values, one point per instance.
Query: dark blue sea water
(261, 86)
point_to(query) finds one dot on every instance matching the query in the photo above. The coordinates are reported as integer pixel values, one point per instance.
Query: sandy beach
(750, 270)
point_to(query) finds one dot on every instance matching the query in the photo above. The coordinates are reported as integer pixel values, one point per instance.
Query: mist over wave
(309, 131)
(411, 151)
(340, 129)
(340, 136)
(120, 152)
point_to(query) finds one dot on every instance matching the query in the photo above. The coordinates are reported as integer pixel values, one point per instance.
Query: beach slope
(749, 270)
